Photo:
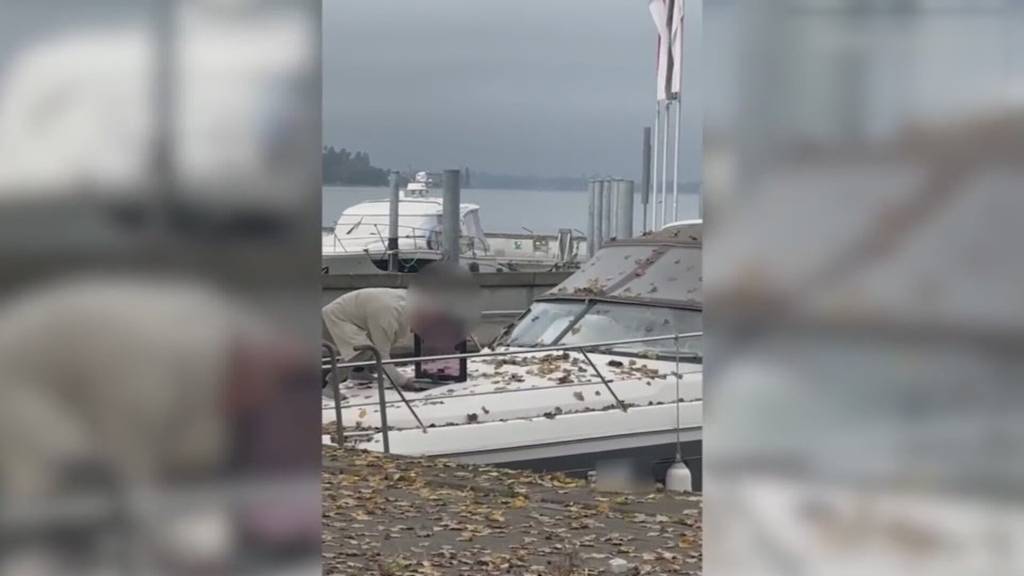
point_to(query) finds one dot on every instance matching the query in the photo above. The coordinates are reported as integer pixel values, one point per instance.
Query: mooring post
(393, 224)
(450, 216)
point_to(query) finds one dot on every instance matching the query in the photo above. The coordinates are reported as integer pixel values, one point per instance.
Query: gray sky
(547, 87)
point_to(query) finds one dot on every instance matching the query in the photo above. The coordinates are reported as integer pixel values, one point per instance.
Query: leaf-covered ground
(392, 515)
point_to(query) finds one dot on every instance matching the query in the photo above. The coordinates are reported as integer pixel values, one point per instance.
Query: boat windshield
(550, 323)
(606, 321)
(543, 323)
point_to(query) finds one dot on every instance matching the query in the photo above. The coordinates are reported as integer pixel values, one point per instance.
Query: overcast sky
(528, 87)
(545, 87)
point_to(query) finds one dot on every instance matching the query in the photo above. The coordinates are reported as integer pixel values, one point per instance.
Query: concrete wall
(506, 291)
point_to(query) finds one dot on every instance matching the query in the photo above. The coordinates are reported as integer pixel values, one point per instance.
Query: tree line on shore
(342, 167)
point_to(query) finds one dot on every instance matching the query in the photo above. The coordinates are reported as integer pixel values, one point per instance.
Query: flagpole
(664, 162)
(675, 161)
(654, 167)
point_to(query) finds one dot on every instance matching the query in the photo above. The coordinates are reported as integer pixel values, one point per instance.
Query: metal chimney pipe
(645, 177)
(606, 209)
(614, 233)
(393, 262)
(451, 229)
(598, 215)
(592, 217)
(625, 209)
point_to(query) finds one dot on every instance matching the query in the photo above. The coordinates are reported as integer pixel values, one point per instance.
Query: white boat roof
(406, 207)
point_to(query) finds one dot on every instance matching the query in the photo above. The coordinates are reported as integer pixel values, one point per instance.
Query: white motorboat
(358, 241)
(550, 410)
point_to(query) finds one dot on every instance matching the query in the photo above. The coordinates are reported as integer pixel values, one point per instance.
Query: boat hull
(656, 458)
(651, 451)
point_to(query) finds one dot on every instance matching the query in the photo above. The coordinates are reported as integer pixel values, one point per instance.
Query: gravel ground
(395, 515)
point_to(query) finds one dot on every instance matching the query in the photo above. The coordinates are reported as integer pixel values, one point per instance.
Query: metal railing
(429, 237)
(469, 244)
(378, 363)
(501, 313)
(335, 388)
(414, 233)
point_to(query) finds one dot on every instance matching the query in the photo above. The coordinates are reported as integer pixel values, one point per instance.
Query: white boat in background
(421, 185)
(357, 243)
(550, 410)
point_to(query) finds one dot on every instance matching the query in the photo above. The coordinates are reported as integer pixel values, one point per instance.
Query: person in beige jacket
(379, 317)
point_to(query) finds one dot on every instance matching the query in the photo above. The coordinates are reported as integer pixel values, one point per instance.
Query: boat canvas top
(662, 268)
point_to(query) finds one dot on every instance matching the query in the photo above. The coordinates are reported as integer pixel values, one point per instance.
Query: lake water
(543, 211)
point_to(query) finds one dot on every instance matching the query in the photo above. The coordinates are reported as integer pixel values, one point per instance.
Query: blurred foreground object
(864, 401)
(158, 292)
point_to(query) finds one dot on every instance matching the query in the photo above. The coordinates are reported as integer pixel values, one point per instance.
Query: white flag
(659, 12)
(677, 48)
(668, 19)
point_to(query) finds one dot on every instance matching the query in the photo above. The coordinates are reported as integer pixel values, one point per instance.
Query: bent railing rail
(335, 388)
(524, 351)
(379, 364)
(381, 374)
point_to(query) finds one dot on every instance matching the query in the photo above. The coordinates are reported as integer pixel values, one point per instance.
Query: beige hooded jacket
(371, 316)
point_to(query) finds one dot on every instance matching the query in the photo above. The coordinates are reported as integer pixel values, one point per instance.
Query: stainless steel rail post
(335, 390)
(379, 363)
(604, 380)
(380, 395)
(405, 401)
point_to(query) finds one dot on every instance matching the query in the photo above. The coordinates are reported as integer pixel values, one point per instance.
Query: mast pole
(675, 161)
(654, 169)
(664, 163)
